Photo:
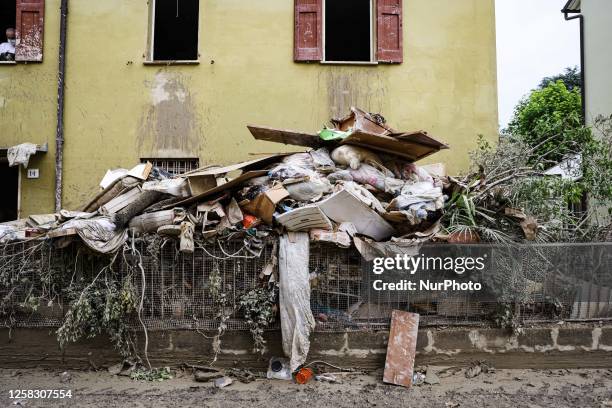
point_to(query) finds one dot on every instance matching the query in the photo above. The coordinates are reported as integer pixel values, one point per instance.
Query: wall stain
(346, 87)
(170, 125)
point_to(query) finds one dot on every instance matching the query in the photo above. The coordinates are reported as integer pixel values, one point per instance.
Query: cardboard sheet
(199, 184)
(343, 206)
(264, 205)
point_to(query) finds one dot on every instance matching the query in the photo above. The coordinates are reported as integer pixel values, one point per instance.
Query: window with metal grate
(174, 166)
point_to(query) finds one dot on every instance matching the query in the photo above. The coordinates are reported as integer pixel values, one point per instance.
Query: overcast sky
(533, 41)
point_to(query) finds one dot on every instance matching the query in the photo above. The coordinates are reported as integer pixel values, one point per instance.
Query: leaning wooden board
(401, 348)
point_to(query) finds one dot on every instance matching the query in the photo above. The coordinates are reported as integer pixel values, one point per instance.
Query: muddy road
(501, 388)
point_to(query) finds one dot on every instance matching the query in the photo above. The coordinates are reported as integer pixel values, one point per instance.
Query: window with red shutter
(343, 31)
(308, 41)
(29, 29)
(348, 30)
(389, 31)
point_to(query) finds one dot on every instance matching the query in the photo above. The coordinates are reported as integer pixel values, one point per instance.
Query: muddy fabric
(99, 234)
(297, 321)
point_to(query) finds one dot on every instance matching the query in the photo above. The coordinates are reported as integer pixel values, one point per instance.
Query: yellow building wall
(119, 109)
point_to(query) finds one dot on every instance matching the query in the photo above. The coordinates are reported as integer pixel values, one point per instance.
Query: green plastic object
(332, 134)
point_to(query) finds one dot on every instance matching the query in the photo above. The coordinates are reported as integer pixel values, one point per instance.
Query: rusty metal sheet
(401, 348)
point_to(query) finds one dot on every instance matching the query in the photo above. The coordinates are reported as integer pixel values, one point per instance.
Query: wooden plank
(61, 233)
(256, 164)
(412, 150)
(227, 186)
(401, 349)
(289, 137)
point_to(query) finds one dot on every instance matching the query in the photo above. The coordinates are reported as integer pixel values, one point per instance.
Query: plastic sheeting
(297, 320)
(20, 154)
(99, 233)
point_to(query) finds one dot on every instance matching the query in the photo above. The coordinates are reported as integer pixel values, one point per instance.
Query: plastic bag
(340, 175)
(333, 134)
(419, 196)
(297, 321)
(309, 190)
(285, 171)
(278, 369)
(354, 156)
(321, 160)
(300, 159)
(417, 173)
(367, 174)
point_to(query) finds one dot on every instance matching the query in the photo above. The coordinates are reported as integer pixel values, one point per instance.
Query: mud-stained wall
(345, 88)
(170, 124)
(119, 110)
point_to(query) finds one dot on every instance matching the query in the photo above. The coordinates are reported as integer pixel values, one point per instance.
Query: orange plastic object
(248, 221)
(304, 375)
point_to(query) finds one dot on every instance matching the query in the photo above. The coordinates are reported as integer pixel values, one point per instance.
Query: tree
(550, 121)
(572, 79)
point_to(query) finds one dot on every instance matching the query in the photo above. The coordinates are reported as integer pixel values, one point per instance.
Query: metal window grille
(174, 166)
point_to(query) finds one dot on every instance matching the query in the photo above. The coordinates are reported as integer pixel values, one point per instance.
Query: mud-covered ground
(501, 388)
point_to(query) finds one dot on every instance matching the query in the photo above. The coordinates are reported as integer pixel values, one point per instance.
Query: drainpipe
(580, 17)
(59, 133)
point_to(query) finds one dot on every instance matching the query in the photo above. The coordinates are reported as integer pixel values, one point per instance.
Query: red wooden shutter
(29, 30)
(308, 42)
(389, 31)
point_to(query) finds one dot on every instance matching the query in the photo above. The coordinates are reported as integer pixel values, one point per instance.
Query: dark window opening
(347, 30)
(10, 191)
(174, 166)
(8, 14)
(175, 33)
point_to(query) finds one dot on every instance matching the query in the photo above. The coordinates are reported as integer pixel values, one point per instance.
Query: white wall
(598, 57)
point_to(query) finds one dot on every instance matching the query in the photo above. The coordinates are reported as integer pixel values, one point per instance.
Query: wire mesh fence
(546, 283)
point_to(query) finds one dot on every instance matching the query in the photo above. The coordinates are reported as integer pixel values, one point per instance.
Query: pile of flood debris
(358, 181)
(356, 184)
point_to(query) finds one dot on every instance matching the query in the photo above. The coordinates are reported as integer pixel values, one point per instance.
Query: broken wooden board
(230, 184)
(61, 232)
(256, 164)
(401, 348)
(289, 137)
(412, 148)
(121, 201)
(358, 119)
